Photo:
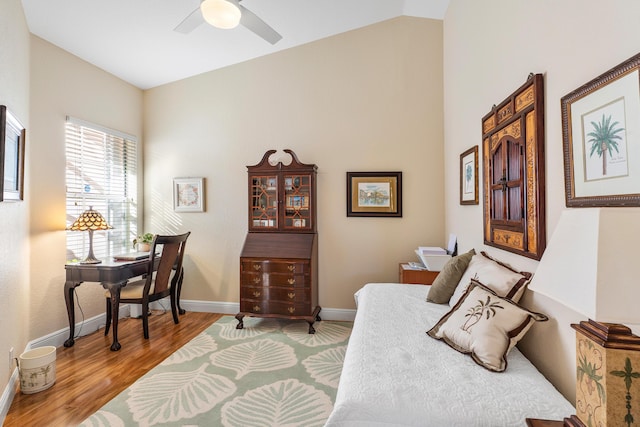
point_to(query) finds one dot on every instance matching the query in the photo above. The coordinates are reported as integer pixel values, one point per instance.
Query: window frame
(106, 178)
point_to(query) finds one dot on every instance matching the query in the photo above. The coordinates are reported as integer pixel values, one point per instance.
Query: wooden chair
(155, 285)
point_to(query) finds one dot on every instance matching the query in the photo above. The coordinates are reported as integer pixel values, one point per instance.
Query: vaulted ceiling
(135, 39)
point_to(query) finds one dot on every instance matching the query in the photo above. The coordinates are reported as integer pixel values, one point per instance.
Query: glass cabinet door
(297, 201)
(264, 202)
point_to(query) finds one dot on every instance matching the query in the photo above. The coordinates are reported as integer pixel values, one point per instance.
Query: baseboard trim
(210, 306)
(8, 394)
(86, 327)
(338, 314)
(91, 325)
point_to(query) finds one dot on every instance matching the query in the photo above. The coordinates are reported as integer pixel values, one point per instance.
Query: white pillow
(502, 279)
(485, 325)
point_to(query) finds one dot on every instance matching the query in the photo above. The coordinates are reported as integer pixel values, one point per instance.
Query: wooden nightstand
(534, 422)
(421, 277)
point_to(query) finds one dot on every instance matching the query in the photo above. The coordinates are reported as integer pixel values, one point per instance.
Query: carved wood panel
(513, 171)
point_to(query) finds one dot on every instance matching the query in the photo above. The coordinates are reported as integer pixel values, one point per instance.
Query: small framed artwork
(12, 137)
(469, 177)
(374, 194)
(297, 202)
(188, 194)
(601, 139)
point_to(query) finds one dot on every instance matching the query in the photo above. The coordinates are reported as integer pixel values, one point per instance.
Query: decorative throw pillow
(445, 283)
(495, 275)
(485, 325)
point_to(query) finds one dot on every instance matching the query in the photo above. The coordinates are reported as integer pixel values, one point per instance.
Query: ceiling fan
(227, 14)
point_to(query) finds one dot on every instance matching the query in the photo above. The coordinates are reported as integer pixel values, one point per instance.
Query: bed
(394, 374)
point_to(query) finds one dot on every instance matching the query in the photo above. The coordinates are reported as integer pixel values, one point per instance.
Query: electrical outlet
(11, 359)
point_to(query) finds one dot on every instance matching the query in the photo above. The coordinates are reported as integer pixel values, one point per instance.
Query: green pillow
(445, 284)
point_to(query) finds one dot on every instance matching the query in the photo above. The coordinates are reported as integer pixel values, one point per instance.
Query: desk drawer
(290, 295)
(275, 307)
(283, 280)
(269, 266)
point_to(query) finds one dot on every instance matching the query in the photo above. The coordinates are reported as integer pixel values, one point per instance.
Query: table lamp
(590, 266)
(90, 221)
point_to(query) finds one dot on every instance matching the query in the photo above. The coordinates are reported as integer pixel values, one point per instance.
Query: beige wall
(61, 85)
(490, 48)
(366, 100)
(42, 84)
(14, 249)
(32, 276)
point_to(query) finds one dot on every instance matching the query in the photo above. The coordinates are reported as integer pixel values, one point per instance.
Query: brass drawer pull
(291, 281)
(291, 295)
(256, 293)
(256, 308)
(291, 310)
(257, 266)
(291, 267)
(257, 280)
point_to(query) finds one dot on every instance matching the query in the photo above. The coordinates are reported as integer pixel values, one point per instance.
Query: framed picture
(297, 202)
(12, 136)
(469, 177)
(374, 194)
(601, 139)
(188, 194)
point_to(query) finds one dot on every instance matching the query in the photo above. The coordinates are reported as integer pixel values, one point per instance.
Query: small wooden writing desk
(113, 276)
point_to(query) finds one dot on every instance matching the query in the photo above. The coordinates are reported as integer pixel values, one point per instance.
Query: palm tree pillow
(500, 277)
(485, 325)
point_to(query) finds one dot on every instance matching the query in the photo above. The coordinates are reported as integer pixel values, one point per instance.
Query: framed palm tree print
(601, 139)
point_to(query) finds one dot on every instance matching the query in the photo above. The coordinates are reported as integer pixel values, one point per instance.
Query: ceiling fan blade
(190, 23)
(257, 25)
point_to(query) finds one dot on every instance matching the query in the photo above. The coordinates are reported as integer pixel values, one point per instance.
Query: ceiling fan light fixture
(220, 13)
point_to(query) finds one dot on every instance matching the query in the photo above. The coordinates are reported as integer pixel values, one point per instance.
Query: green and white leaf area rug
(271, 373)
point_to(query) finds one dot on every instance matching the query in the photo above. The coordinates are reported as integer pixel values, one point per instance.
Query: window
(101, 172)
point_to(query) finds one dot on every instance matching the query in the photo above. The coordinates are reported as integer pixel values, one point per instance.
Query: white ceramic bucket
(37, 368)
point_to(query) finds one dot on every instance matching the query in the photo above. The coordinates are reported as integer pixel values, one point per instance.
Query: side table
(534, 422)
(420, 277)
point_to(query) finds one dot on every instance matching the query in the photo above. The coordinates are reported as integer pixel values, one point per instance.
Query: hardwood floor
(89, 374)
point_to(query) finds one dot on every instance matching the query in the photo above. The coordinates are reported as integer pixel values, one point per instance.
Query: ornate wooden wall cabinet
(513, 164)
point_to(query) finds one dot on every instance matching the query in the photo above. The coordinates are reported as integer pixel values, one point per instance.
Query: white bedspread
(395, 374)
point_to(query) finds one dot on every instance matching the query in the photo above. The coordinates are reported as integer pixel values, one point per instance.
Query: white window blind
(101, 172)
